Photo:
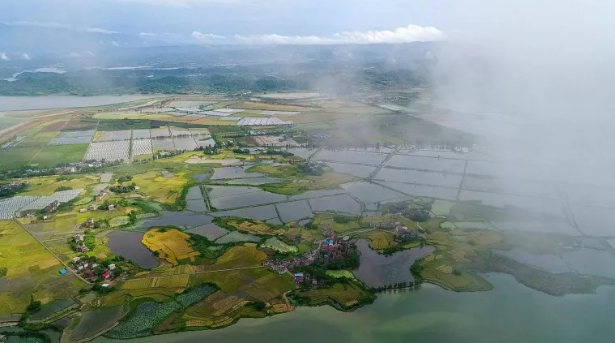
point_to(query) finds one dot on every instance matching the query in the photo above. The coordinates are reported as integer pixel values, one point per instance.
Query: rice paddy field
(279, 246)
(170, 245)
(51, 155)
(159, 188)
(30, 270)
(91, 323)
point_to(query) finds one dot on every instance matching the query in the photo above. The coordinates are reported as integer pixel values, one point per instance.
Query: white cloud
(147, 34)
(4, 57)
(407, 34)
(96, 30)
(206, 37)
(74, 55)
(58, 26)
(38, 24)
(25, 56)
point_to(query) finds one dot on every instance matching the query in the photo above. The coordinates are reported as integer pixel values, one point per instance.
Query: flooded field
(509, 170)
(594, 221)
(202, 177)
(233, 173)
(194, 200)
(129, 246)
(209, 231)
(537, 205)
(591, 196)
(295, 210)
(511, 186)
(257, 213)
(195, 206)
(379, 270)
(435, 153)
(338, 203)
(222, 197)
(551, 226)
(352, 169)
(359, 157)
(184, 219)
(427, 163)
(419, 177)
(316, 194)
(426, 191)
(254, 181)
(370, 192)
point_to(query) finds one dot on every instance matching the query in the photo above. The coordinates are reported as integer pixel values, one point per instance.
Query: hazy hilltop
(188, 69)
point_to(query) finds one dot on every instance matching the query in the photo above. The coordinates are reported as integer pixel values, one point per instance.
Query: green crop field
(40, 139)
(17, 157)
(51, 155)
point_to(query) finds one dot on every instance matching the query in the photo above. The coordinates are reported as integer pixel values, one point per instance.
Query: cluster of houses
(93, 271)
(69, 168)
(334, 248)
(285, 265)
(52, 207)
(79, 240)
(13, 186)
(405, 234)
(401, 232)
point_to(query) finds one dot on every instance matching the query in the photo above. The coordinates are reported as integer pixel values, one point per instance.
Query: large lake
(509, 313)
(19, 103)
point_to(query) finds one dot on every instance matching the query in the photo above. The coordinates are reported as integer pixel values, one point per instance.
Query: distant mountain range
(16, 40)
(24, 42)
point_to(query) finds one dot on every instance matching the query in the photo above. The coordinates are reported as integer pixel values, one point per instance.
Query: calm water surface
(509, 313)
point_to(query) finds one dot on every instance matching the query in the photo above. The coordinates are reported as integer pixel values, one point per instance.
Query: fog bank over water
(535, 80)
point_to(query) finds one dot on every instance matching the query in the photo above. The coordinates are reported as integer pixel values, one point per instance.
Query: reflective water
(510, 313)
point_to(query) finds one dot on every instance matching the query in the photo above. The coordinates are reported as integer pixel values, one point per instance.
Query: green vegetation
(16, 158)
(344, 295)
(51, 155)
(295, 181)
(146, 315)
(279, 246)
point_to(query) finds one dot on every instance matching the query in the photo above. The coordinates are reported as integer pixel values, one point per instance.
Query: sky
(241, 21)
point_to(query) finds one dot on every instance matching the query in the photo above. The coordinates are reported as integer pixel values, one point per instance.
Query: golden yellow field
(256, 227)
(47, 185)
(380, 239)
(30, 270)
(171, 245)
(159, 188)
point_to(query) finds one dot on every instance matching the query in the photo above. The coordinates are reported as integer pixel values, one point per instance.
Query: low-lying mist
(535, 81)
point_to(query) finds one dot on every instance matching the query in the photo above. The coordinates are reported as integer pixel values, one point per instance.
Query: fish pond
(128, 245)
(378, 270)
